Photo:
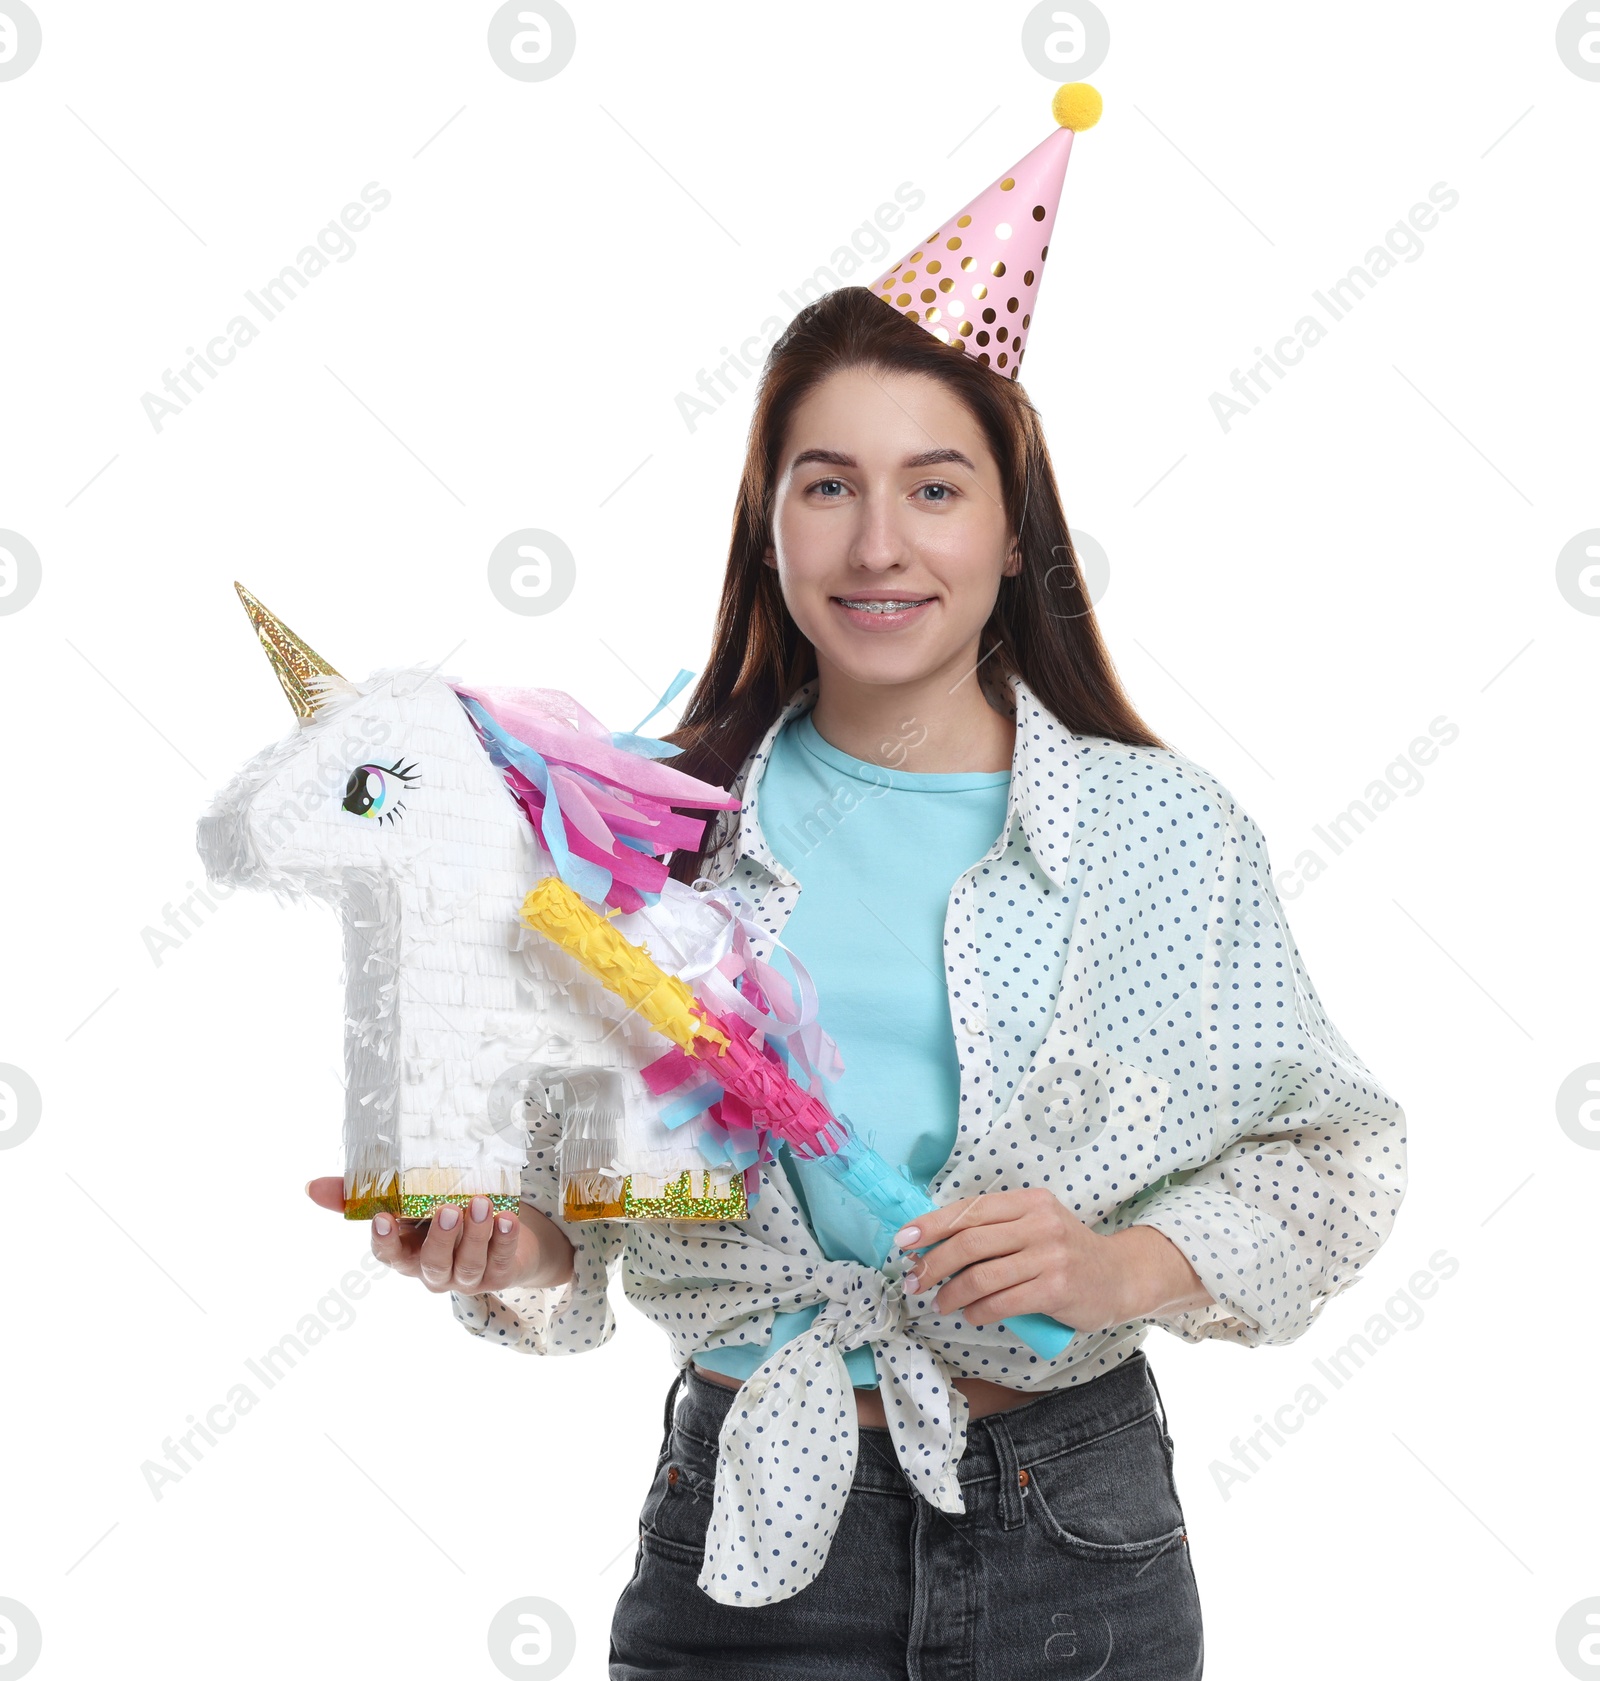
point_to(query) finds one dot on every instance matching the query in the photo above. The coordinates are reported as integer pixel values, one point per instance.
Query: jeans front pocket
(1110, 1497)
(677, 1510)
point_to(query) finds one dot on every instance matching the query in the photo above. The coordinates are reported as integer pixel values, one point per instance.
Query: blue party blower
(895, 1202)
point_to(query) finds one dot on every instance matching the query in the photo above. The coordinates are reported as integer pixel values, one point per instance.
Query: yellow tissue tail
(665, 1002)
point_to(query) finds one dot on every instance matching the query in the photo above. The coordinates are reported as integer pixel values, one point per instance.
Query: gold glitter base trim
(373, 1197)
(415, 1206)
(387, 1198)
(677, 1201)
(576, 1206)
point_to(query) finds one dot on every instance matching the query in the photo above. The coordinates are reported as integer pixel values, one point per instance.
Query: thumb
(327, 1193)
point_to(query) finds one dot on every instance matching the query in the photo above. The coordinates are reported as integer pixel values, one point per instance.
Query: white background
(1372, 547)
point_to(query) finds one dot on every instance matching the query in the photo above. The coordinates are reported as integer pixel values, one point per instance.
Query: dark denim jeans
(1071, 1560)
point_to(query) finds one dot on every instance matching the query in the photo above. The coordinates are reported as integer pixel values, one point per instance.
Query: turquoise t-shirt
(876, 851)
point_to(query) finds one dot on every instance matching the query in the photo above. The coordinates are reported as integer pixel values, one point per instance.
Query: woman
(1067, 1002)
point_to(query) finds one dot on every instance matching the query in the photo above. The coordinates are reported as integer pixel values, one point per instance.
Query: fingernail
(480, 1210)
(308, 1187)
(909, 1235)
(448, 1216)
(505, 1222)
(382, 1225)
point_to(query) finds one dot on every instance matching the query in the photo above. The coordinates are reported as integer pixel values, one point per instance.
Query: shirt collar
(1042, 794)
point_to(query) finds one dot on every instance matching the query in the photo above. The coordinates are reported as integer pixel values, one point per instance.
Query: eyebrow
(924, 458)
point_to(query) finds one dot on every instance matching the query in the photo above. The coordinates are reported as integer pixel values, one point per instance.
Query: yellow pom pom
(1077, 105)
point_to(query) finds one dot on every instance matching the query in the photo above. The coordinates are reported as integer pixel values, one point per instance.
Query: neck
(941, 721)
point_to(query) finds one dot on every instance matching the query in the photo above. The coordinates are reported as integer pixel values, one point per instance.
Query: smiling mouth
(857, 604)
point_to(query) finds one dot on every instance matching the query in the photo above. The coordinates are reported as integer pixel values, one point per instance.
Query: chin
(887, 666)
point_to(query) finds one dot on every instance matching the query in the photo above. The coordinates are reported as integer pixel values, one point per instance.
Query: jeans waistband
(1051, 1423)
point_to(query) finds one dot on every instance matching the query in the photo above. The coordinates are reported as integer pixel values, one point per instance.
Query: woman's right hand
(479, 1251)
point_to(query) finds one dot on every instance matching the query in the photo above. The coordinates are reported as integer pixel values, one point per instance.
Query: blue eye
(374, 790)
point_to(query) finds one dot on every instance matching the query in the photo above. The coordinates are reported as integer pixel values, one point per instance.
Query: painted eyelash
(408, 776)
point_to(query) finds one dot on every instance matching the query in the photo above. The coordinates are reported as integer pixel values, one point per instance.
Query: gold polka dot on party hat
(1002, 361)
(959, 345)
(1011, 305)
(942, 333)
(928, 294)
(954, 242)
(988, 315)
(997, 269)
(963, 221)
(946, 284)
(1009, 182)
(983, 338)
(969, 262)
(980, 290)
(933, 267)
(1000, 334)
(1026, 319)
(1027, 279)
(931, 315)
(983, 356)
(908, 277)
(1038, 212)
(904, 298)
(966, 327)
(911, 315)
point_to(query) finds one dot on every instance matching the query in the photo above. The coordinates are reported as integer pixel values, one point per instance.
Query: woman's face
(890, 534)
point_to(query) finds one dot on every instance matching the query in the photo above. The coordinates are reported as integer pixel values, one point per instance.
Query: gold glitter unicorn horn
(293, 660)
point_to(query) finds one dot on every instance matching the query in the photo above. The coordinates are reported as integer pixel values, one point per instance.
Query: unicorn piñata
(423, 810)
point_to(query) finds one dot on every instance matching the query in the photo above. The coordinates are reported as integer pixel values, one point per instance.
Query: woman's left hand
(1011, 1252)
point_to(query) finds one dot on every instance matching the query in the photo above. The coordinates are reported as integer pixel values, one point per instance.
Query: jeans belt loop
(1150, 1372)
(668, 1410)
(1012, 1514)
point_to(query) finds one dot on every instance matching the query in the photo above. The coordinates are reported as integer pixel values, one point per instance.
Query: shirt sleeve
(1307, 1186)
(565, 1318)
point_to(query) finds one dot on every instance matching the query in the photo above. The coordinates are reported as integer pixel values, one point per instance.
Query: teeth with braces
(883, 606)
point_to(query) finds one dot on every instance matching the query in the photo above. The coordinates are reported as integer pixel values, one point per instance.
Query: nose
(880, 543)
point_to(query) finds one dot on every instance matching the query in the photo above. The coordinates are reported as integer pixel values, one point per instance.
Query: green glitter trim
(679, 1202)
(369, 1200)
(414, 1205)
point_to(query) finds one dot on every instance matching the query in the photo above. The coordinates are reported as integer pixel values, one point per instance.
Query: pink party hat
(974, 282)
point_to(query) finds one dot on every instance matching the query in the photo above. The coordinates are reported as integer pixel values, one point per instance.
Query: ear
(770, 558)
(1013, 563)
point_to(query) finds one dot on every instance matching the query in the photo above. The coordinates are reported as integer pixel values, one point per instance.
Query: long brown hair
(1042, 626)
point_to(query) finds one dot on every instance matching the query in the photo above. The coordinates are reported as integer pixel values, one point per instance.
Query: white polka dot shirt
(1135, 1030)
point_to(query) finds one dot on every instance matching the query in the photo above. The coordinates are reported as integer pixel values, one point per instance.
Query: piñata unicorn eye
(374, 790)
